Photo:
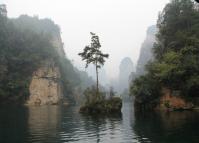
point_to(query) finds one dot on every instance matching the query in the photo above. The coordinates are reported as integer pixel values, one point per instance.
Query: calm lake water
(60, 124)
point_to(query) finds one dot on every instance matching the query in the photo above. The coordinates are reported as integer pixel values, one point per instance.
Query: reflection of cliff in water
(13, 125)
(44, 122)
(170, 127)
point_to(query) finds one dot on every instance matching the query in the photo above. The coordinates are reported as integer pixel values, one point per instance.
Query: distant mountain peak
(146, 50)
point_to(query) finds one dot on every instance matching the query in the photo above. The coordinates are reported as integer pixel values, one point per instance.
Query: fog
(120, 24)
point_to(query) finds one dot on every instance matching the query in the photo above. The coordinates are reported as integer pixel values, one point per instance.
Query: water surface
(61, 124)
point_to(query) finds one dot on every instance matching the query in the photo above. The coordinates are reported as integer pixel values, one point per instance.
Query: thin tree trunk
(97, 79)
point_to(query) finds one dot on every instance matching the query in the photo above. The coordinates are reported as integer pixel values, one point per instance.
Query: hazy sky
(121, 24)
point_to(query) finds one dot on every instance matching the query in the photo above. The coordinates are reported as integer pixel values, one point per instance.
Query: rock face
(146, 50)
(45, 87)
(33, 65)
(173, 101)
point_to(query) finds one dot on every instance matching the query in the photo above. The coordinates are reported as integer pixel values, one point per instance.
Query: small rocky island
(112, 106)
(98, 104)
(96, 101)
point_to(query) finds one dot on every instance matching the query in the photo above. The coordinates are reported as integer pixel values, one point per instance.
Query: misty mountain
(34, 69)
(125, 69)
(146, 50)
(103, 78)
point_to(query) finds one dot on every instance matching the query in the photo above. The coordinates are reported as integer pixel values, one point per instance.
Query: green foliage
(40, 26)
(92, 54)
(25, 44)
(176, 63)
(145, 88)
(21, 53)
(192, 86)
(69, 77)
(98, 104)
(91, 96)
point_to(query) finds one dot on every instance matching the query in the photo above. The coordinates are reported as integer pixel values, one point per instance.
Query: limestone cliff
(34, 68)
(45, 86)
(146, 50)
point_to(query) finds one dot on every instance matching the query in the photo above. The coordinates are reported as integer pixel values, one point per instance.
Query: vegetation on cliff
(176, 52)
(21, 53)
(25, 43)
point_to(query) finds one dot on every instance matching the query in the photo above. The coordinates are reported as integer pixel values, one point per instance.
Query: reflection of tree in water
(71, 129)
(83, 128)
(94, 125)
(170, 127)
(98, 125)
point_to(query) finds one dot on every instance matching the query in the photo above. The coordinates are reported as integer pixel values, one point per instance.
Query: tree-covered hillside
(176, 52)
(25, 43)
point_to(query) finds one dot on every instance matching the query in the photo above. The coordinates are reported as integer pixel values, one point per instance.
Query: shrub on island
(96, 103)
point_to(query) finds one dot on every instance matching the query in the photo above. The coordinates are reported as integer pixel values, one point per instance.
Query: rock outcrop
(34, 69)
(33, 66)
(146, 50)
(45, 87)
(173, 101)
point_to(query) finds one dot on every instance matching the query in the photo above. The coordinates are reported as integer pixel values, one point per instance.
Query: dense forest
(25, 43)
(176, 56)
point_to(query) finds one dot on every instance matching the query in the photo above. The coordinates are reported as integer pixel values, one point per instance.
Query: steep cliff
(45, 86)
(146, 50)
(176, 59)
(33, 65)
(34, 69)
(125, 70)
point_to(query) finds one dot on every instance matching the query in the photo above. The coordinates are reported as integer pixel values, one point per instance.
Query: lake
(61, 124)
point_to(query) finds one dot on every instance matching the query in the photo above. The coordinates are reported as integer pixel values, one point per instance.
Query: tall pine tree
(92, 55)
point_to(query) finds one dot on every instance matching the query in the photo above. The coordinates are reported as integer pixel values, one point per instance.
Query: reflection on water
(43, 123)
(60, 124)
(13, 124)
(167, 127)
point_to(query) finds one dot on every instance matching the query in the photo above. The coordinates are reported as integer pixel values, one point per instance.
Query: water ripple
(63, 124)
